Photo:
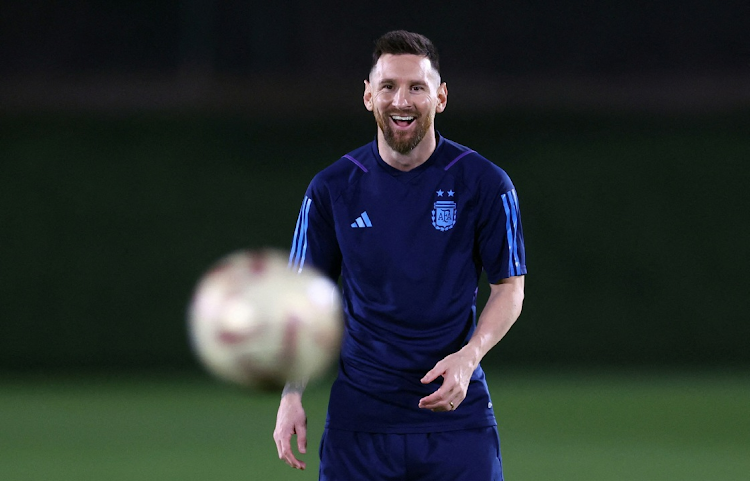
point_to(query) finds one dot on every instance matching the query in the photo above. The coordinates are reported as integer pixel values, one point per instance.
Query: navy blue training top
(409, 248)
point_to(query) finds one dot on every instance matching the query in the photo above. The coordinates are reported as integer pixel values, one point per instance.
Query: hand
(291, 420)
(456, 370)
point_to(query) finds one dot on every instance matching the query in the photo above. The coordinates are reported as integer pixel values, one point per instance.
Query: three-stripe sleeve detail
(510, 203)
(299, 244)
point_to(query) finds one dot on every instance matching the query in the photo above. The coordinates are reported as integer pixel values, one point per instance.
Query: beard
(403, 142)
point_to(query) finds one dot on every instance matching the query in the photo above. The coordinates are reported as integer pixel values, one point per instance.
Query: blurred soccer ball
(256, 323)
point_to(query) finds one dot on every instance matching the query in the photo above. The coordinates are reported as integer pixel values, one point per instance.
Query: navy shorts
(466, 455)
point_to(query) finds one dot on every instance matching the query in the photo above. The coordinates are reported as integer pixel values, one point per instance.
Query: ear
(442, 98)
(367, 97)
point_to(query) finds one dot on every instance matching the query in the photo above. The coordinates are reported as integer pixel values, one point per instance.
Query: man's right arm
(314, 245)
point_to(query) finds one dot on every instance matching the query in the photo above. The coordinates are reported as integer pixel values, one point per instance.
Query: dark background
(140, 141)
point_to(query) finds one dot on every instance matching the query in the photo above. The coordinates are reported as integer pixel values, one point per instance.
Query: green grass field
(603, 426)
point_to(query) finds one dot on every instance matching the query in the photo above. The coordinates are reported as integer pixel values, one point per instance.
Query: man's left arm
(501, 311)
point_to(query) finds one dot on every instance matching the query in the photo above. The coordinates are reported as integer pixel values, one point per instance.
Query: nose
(401, 98)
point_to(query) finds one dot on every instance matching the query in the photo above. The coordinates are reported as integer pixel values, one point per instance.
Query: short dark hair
(399, 42)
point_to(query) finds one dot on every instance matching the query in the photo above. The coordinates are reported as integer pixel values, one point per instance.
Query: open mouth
(403, 121)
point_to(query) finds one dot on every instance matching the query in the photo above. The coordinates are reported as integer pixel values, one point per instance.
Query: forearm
(498, 316)
(294, 387)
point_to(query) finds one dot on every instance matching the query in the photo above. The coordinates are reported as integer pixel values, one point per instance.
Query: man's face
(404, 93)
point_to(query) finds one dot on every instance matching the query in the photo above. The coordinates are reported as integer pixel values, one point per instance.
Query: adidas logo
(362, 221)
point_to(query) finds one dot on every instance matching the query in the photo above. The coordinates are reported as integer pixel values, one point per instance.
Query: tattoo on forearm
(294, 386)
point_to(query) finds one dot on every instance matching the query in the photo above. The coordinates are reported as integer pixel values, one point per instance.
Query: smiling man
(407, 223)
(404, 93)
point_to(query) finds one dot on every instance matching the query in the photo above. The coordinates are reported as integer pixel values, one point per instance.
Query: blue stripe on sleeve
(299, 244)
(304, 245)
(515, 213)
(511, 226)
(508, 233)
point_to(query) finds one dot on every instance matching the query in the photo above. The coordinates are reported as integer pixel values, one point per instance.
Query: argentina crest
(444, 215)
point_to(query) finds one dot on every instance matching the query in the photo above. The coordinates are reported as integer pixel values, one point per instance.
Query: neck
(406, 162)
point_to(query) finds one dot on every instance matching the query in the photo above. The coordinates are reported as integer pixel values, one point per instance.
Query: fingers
(440, 402)
(302, 441)
(446, 398)
(291, 421)
(294, 462)
(284, 448)
(431, 375)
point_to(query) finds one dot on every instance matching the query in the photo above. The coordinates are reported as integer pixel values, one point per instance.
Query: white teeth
(399, 117)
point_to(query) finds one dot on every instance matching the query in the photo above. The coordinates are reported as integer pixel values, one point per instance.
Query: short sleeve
(500, 232)
(314, 243)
